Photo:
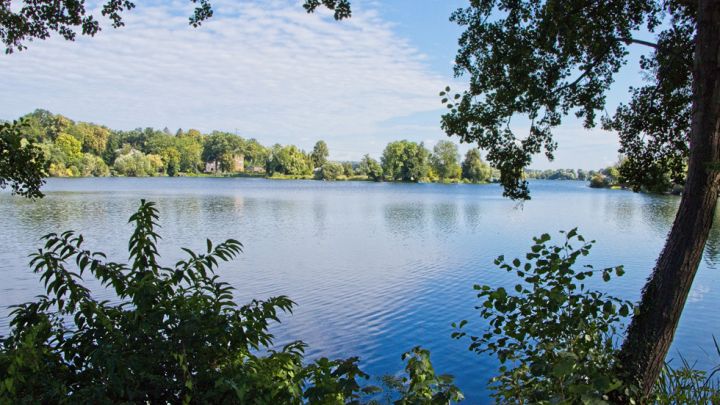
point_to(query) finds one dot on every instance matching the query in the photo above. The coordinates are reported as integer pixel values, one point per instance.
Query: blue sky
(267, 70)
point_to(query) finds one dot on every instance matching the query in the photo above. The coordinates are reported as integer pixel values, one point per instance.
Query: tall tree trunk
(652, 329)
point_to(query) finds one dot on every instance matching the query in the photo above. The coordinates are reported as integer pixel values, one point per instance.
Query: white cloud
(267, 69)
(264, 68)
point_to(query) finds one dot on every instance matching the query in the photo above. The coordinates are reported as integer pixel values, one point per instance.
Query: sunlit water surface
(375, 268)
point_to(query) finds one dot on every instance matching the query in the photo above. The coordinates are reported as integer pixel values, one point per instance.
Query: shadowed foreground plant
(176, 334)
(553, 336)
(421, 385)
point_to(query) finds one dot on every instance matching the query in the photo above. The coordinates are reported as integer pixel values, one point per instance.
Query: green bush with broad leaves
(552, 335)
(176, 334)
(420, 385)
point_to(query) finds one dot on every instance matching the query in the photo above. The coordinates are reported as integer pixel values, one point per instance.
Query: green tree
(70, 147)
(544, 59)
(39, 125)
(319, 154)
(289, 160)
(330, 171)
(405, 161)
(582, 175)
(91, 165)
(222, 147)
(445, 160)
(171, 159)
(22, 163)
(552, 335)
(190, 149)
(137, 164)
(348, 169)
(93, 137)
(256, 155)
(371, 168)
(474, 169)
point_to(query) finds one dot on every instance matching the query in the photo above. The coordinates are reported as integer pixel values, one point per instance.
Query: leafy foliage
(421, 385)
(319, 154)
(38, 20)
(445, 160)
(371, 168)
(474, 169)
(137, 164)
(331, 171)
(222, 147)
(176, 334)
(341, 8)
(85, 149)
(405, 161)
(544, 60)
(288, 160)
(22, 163)
(553, 335)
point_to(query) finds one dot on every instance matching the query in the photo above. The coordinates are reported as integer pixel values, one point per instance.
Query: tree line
(75, 149)
(81, 149)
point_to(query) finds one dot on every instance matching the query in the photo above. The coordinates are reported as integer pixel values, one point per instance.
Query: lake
(375, 268)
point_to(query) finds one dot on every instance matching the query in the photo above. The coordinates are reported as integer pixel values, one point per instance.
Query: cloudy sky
(267, 70)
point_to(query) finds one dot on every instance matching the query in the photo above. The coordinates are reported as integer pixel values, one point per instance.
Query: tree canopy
(405, 161)
(68, 18)
(319, 154)
(474, 169)
(545, 60)
(22, 166)
(445, 160)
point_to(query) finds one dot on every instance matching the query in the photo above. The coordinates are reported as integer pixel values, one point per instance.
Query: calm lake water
(375, 268)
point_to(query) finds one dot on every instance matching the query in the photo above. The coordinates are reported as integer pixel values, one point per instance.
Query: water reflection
(445, 217)
(659, 212)
(712, 248)
(473, 214)
(405, 219)
(622, 211)
(319, 214)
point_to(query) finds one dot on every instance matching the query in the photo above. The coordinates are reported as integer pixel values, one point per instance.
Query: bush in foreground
(554, 337)
(176, 336)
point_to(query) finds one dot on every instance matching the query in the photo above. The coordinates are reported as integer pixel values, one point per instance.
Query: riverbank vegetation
(617, 176)
(81, 149)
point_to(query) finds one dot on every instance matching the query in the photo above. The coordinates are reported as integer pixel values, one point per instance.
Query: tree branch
(629, 41)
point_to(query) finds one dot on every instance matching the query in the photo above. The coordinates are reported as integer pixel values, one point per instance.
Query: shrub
(599, 181)
(137, 164)
(552, 336)
(176, 334)
(371, 168)
(421, 385)
(330, 171)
